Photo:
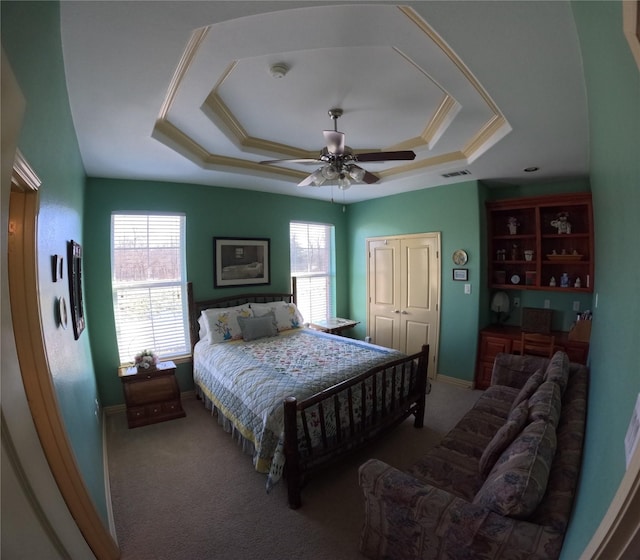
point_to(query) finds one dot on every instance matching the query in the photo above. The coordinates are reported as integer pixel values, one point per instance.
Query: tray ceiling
(184, 91)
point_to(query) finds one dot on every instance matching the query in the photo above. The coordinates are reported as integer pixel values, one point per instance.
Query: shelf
(541, 229)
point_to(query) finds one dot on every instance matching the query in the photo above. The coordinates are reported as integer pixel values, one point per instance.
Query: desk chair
(537, 344)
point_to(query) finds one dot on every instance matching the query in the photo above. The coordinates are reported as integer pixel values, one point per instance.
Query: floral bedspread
(248, 381)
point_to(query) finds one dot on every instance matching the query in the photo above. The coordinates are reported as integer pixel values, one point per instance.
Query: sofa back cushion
(503, 437)
(558, 370)
(528, 388)
(545, 404)
(517, 482)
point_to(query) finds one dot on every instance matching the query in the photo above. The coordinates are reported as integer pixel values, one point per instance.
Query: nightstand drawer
(171, 406)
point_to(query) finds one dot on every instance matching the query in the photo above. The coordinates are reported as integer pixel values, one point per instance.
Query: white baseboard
(107, 484)
(454, 381)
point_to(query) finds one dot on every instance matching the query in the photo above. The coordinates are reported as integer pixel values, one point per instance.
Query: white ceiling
(181, 91)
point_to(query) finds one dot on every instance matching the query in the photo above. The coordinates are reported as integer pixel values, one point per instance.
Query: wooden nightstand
(151, 397)
(334, 325)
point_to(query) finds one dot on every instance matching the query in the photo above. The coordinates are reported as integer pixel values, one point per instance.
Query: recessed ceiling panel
(397, 81)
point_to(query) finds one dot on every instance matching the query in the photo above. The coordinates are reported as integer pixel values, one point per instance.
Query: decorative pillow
(258, 327)
(546, 403)
(558, 370)
(222, 324)
(517, 483)
(503, 437)
(287, 314)
(528, 388)
(203, 332)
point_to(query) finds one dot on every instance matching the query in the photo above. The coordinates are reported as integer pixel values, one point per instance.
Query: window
(312, 262)
(148, 276)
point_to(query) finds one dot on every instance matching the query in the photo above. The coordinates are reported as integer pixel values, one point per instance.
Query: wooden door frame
(34, 363)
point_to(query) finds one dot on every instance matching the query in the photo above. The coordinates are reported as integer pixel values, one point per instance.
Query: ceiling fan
(339, 161)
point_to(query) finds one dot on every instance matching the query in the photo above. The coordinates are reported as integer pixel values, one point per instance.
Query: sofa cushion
(513, 370)
(517, 483)
(528, 388)
(503, 437)
(558, 370)
(545, 403)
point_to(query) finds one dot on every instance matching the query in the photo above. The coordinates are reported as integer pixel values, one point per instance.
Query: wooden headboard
(196, 307)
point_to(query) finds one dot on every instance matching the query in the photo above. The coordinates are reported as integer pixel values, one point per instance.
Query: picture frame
(241, 261)
(74, 263)
(461, 274)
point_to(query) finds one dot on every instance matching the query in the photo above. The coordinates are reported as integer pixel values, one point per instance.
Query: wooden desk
(334, 325)
(496, 339)
(151, 397)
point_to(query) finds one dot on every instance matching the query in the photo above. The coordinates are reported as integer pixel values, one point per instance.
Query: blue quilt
(248, 381)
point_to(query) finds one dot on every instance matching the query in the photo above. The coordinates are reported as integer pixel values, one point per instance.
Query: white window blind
(312, 263)
(148, 266)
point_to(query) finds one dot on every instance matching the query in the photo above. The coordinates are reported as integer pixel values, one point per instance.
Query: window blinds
(312, 264)
(149, 284)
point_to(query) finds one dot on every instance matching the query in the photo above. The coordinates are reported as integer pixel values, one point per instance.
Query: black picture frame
(74, 263)
(461, 274)
(241, 261)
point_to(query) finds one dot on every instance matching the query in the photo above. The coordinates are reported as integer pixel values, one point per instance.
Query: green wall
(613, 92)
(31, 40)
(453, 210)
(210, 212)
(30, 37)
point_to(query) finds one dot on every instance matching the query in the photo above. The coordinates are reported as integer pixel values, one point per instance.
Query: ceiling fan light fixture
(317, 178)
(356, 173)
(343, 182)
(329, 172)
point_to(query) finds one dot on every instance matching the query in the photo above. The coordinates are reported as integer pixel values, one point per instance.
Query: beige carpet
(184, 490)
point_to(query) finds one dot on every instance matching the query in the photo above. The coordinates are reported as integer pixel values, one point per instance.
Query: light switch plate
(467, 288)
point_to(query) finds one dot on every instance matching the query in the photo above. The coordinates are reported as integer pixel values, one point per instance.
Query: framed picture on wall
(461, 274)
(240, 261)
(74, 260)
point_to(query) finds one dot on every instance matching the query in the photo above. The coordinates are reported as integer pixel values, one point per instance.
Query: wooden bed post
(292, 465)
(294, 289)
(423, 367)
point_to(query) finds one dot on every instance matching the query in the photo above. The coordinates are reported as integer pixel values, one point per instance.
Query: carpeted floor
(184, 490)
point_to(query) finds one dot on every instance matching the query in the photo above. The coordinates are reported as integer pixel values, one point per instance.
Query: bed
(297, 399)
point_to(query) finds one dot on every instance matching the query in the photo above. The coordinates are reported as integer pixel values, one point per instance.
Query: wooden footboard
(345, 417)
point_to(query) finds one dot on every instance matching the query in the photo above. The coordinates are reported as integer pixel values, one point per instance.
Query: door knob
(405, 312)
(396, 311)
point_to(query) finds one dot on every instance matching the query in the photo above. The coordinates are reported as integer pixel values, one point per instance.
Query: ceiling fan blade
(370, 178)
(386, 156)
(301, 160)
(307, 180)
(334, 141)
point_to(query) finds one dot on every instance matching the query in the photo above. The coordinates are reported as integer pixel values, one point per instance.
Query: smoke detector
(278, 70)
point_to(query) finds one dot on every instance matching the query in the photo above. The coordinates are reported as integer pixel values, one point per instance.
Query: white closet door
(384, 293)
(404, 293)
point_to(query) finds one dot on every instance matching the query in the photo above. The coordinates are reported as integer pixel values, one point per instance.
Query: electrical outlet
(516, 302)
(467, 288)
(576, 306)
(547, 303)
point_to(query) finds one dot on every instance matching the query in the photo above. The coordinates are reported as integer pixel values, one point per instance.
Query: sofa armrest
(405, 517)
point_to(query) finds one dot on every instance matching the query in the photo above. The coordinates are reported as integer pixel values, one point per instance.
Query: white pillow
(287, 314)
(222, 324)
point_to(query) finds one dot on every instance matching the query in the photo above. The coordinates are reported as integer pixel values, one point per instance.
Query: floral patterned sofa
(500, 484)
